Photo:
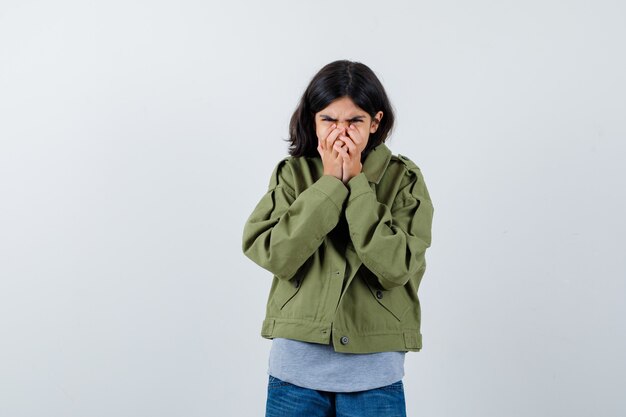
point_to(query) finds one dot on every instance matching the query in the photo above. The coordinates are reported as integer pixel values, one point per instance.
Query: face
(344, 112)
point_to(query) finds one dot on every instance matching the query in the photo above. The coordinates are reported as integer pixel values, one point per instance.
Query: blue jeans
(288, 400)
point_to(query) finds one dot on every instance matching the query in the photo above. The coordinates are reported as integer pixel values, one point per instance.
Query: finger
(332, 136)
(330, 129)
(340, 141)
(322, 140)
(343, 153)
(352, 148)
(355, 135)
(334, 148)
(325, 135)
(341, 149)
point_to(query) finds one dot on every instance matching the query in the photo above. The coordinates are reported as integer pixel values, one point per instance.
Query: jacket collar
(376, 162)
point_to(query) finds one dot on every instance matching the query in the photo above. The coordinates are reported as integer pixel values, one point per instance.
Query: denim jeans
(288, 400)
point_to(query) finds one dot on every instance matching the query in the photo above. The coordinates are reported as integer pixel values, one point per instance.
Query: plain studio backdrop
(136, 138)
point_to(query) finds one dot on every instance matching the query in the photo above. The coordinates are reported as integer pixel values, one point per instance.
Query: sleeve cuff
(358, 185)
(333, 188)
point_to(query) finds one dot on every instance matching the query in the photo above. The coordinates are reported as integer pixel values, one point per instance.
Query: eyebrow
(333, 119)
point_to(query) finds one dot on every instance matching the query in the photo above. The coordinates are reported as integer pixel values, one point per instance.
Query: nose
(342, 125)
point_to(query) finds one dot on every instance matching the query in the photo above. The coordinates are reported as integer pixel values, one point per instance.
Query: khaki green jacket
(347, 259)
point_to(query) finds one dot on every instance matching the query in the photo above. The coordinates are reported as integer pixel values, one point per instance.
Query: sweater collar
(376, 162)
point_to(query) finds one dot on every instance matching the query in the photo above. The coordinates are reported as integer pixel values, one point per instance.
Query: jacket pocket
(396, 300)
(286, 290)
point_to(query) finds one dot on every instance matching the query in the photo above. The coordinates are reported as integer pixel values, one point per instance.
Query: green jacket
(347, 259)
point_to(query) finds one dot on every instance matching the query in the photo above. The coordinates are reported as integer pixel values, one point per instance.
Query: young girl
(343, 227)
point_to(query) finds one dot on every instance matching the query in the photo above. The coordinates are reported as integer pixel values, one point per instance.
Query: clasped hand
(340, 150)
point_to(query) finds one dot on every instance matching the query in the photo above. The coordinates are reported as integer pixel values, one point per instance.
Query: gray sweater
(319, 367)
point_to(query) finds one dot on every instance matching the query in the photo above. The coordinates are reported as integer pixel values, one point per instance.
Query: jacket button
(344, 340)
(379, 294)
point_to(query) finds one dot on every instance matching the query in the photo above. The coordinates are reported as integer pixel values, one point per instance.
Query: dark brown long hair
(338, 79)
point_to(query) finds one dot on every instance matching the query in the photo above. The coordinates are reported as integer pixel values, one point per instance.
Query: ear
(376, 121)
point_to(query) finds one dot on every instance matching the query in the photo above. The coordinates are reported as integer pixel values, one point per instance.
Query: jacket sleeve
(283, 230)
(391, 241)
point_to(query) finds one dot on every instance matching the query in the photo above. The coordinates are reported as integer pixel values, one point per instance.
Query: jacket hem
(345, 342)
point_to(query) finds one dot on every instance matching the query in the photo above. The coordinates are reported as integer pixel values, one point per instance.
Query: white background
(136, 138)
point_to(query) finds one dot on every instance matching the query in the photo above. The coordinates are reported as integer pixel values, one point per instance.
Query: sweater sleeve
(284, 230)
(391, 241)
